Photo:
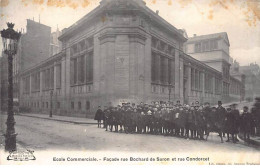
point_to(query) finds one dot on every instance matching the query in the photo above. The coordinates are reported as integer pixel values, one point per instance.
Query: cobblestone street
(41, 134)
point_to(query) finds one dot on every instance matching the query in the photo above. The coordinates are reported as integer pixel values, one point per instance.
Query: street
(41, 134)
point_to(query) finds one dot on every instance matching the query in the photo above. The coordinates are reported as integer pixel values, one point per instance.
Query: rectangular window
(79, 105)
(72, 105)
(153, 68)
(82, 69)
(75, 71)
(207, 46)
(162, 68)
(58, 105)
(89, 68)
(192, 79)
(87, 105)
(58, 76)
(48, 79)
(169, 71)
(52, 77)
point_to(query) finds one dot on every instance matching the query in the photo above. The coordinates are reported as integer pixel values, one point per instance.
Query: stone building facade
(120, 52)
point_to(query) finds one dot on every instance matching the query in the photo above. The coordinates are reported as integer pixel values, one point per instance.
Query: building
(55, 45)
(213, 50)
(3, 82)
(33, 47)
(252, 81)
(120, 52)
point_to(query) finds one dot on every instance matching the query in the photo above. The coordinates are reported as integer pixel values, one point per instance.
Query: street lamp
(10, 41)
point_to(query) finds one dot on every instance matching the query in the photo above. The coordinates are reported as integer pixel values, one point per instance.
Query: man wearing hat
(236, 115)
(99, 116)
(229, 124)
(221, 115)
(199, 122)
(246, 123)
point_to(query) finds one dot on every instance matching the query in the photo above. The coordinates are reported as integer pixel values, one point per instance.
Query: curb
(60, 120)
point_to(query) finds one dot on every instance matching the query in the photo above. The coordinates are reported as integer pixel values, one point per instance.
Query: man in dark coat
(246, 122)
(99, 116)
(237, 121)
(105, 116)
(200, 123)
(221, 115)
(190, 122)
(230, 124)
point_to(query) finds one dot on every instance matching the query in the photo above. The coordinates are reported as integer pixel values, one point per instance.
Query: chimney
(194, 35)
(157, 12)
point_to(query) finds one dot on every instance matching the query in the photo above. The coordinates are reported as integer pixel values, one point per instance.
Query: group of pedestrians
(190, 122)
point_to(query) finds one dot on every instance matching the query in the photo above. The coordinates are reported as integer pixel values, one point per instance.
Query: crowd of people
(191, 122)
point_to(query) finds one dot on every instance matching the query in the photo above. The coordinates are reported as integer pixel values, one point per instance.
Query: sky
(239, 18)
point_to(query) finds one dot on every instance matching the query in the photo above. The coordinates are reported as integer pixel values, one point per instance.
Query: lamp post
(51, 94)
(10, 41)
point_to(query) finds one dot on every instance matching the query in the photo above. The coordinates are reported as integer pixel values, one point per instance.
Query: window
(42, 104)
(81, 65)
(79, 105)
(154, 89)
(58, 76)
(198, 47)
(72, 105)
(58, 105)
(87, 105)
(46, 104)
(162, 89)
(153, 68)
(73, 71)
(89, 67)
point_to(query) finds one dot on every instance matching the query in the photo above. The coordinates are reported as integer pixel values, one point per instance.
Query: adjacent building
(33, 47)
(252, 81)
(213, 50)
(55, 45)
(123, 52)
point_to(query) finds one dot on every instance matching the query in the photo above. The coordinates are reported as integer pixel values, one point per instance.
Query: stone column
(147, 68)
(158, 67)
(30, 88)
(137, 68)
(177, 75)
(213, 85)
(189, 80)
(41, 80)
(63, 76)
(172, 72)
(106, 69)
(181, 79)
(55, 77)
(166, 71)
(203, 85)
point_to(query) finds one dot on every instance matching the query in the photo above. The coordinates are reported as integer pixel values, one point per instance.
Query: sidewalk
(74, 120)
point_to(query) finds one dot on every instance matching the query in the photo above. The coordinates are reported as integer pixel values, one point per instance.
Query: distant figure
(99, 116)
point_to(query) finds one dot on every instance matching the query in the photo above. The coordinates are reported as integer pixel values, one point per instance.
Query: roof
(209, 36)
(139, 4)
